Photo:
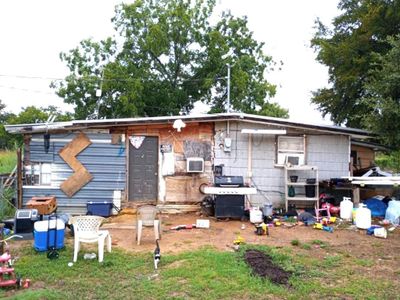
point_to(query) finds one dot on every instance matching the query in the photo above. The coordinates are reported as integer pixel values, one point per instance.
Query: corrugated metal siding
(328, 152)
(106, 162)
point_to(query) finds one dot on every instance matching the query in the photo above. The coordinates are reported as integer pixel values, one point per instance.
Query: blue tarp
(376, 206)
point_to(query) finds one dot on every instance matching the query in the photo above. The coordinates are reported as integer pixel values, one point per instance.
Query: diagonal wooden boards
(81, 175)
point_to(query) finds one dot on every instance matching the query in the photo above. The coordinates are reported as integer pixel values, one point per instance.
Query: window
(38, 174)
(291, 149)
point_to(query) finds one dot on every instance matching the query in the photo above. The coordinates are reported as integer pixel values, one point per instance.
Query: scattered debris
(89, 256)
(323, 227)
(179, 227)
(239, 240)
(263, 266)
(201, 223)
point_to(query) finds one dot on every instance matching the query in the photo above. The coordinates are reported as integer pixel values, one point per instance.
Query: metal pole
(229, 89)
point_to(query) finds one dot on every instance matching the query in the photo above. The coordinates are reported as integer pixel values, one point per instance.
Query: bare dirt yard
(345, 240)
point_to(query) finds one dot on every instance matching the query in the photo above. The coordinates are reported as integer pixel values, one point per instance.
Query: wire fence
(8, 195)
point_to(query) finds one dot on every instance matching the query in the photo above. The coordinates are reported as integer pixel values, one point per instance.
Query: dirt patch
(263, 266)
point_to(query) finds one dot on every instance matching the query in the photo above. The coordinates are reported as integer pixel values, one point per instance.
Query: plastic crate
(99, 208)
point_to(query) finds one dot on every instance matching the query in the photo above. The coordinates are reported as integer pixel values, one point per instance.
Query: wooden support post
(356, 196)
(19, 178)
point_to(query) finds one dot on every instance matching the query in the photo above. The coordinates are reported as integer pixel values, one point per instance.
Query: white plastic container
(117, 195)
(255, 215)
(363, 217)
(380, 232)
(346, 209)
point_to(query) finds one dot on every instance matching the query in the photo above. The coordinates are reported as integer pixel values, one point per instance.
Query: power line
(92, 78)
(29, 77)
(25, 90)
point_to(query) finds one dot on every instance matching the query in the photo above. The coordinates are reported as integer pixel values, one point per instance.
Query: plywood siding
(196, 139)
(184, 189)
(365, 156)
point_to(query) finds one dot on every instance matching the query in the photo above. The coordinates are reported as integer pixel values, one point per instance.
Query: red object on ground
(334, 210)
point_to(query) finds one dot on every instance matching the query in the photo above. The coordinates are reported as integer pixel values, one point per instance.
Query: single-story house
(165, 160)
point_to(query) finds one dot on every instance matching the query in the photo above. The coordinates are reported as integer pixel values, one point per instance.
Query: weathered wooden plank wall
(365, 156)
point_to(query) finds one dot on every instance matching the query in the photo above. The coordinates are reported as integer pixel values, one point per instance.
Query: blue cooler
(44, 230)
(99, 208)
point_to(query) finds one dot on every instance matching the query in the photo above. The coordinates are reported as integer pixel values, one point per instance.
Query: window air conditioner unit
(195, 165)
(294, 159)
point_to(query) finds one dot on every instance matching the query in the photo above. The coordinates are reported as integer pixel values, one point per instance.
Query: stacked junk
(40, 222)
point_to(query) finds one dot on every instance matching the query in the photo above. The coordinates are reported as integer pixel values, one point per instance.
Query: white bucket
(255, 215)
(363, 217)
(346, 209)
(116, 201)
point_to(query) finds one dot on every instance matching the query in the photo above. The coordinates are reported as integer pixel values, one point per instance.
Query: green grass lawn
(8, 160)
(200, 274)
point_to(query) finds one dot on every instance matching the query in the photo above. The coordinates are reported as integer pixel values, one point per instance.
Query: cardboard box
(44, 205)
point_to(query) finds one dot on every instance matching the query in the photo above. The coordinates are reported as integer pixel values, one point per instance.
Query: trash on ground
(202, 223)
(89, 256)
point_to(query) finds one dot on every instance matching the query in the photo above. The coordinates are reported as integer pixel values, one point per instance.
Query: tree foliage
(167, 55)
(383, 96)
(349, 50)
(28, 115)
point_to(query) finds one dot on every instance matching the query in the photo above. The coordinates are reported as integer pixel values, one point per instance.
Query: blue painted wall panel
(106, 162)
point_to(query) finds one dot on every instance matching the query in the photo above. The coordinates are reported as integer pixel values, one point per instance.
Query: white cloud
(33, 33)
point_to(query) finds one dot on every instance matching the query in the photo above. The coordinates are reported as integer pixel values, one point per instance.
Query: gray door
(143, 170)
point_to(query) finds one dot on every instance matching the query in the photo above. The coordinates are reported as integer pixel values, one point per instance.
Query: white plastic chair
(147, 216)
(86, 230)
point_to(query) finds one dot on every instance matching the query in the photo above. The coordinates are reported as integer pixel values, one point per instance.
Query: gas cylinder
(255, 215)
(363, 217)
(346, 208)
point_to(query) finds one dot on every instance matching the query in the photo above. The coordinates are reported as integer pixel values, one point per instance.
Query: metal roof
(108, 123)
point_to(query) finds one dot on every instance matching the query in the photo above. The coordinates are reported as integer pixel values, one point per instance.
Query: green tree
(6, 140)
(166, 57)
(349, 50)
(390, 162)
(28, 115)
(273, 110)
(383, 96)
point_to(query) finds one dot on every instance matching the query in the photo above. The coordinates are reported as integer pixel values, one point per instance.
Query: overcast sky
(33, 33)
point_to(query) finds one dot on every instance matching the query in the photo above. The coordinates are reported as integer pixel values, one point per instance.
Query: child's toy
(323, 227)
(7, 273)
(330, 220)
(261, 229)
(239, 240)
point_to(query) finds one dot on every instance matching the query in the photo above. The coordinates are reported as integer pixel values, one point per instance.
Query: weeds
(8, 160)
(295, 242)
(7, 208)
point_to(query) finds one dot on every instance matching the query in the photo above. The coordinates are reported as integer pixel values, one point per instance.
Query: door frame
(127, 146)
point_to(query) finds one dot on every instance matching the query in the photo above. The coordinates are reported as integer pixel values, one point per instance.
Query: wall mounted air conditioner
(195, 165)
(294, 159)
